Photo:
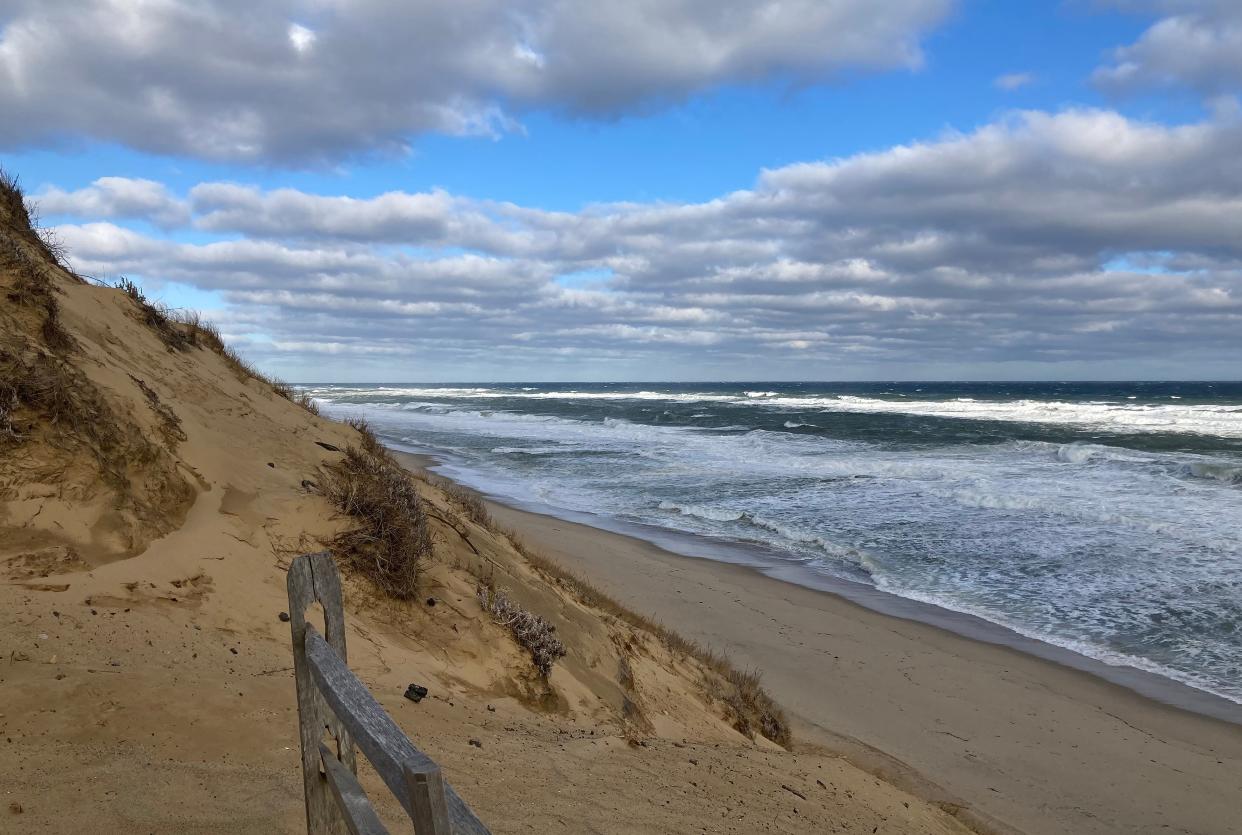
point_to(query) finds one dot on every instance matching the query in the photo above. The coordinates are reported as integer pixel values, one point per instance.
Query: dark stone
(431, 601)
(233, 650)
(307, 484)
(476, 743)
(270, 464)
(415, 693)
(328, 447)
(284, 617)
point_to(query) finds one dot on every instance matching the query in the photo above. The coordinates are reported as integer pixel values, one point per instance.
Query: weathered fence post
(314, 578)
(427, 801)
(332, 699)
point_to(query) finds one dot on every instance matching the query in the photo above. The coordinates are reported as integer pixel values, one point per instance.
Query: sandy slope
(144, 674)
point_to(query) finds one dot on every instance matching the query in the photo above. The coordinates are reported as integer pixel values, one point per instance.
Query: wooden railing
(333, 703)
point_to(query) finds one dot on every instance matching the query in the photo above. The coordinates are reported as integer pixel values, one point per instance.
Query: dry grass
(306, 402)
(392, 537)
(469, 502)
(23, 218)
(534, 633)
(175, 334)
(170, 424)
(752, 709)
(181, 330)
(33, 287)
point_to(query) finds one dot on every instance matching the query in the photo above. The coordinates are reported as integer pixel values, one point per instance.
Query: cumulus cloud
(306, 81)
(1080, 235)
(1196, 44)
(118, 197)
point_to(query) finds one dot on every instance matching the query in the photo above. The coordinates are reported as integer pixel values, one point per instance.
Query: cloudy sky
(409, 190)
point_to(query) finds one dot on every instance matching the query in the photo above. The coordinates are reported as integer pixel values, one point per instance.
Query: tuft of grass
(308, 403)
(754, 709)
(181, 330)
(176, 335)
(528, 629)
(392, 537)
(469, 502)
(33, 287)
(23, 218)
(751, 708)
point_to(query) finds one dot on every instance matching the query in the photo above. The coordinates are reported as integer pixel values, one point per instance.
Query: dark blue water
(1101, 517)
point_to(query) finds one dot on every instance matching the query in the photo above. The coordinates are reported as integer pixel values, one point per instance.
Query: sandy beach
(1025, 744)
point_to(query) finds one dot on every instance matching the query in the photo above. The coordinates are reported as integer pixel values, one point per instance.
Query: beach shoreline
(1022, 742)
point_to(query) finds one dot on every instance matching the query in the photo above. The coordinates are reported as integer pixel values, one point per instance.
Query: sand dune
(154, 490)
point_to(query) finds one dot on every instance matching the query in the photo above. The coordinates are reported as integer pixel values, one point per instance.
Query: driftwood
(332, 701)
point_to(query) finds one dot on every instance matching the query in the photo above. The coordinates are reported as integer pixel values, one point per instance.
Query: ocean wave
(1084, 542)
(1230, 474)
(1114, 417)
(1219, 420)
(784, 532)
(550, 450)
(702, 512)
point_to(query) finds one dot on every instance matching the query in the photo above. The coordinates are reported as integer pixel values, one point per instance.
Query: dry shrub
(752, 708)
(530, 630)
(392, 536)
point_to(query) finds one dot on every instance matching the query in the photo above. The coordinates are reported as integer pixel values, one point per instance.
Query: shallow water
(1098, 517)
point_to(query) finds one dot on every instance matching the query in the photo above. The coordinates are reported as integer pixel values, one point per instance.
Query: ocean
(1102, 518)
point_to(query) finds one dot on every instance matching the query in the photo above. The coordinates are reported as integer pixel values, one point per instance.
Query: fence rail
(334, 704)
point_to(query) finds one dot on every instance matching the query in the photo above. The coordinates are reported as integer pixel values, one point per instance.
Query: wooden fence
(334, 704)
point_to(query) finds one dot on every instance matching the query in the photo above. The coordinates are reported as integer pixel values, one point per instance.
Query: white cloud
(297, 82)
(1196, 44)
(117, 197)
(1037, 238)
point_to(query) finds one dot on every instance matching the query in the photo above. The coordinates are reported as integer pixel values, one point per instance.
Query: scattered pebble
(476, 743)
(284, 617)
(431, 601)
(415, 693)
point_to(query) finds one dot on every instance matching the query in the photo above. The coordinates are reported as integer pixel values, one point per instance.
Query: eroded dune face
(89, 466)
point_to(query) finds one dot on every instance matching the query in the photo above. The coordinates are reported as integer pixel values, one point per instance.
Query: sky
(542, 190)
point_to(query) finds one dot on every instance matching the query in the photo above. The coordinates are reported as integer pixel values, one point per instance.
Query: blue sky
(590, 153)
